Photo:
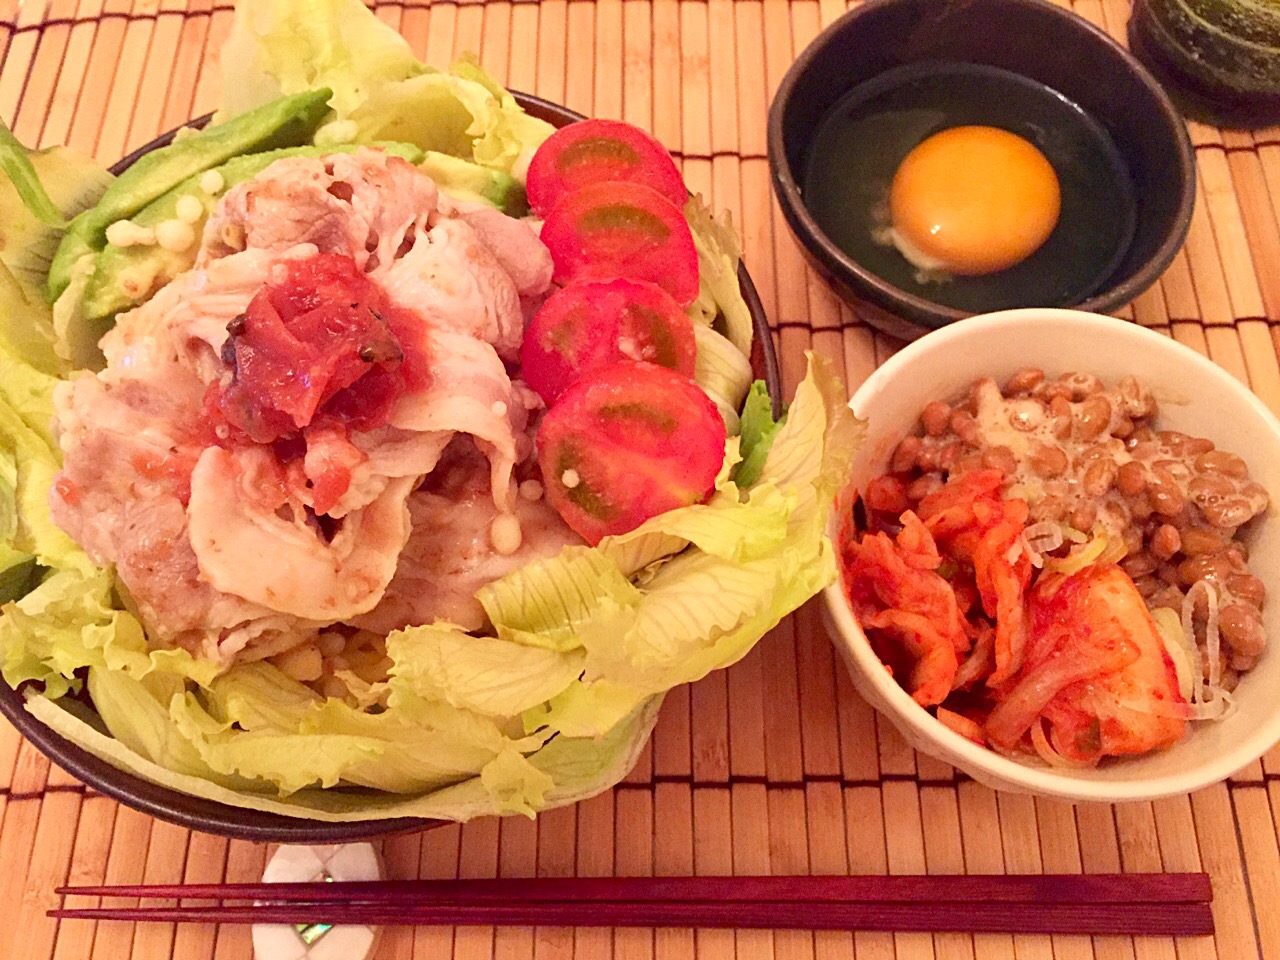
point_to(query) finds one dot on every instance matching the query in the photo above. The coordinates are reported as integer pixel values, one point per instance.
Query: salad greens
(282, 47)
(557, 703)
(58, 179)
(758, 430)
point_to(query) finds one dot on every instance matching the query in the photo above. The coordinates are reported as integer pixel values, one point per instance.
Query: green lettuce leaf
(453, 113)
(70, 621)
(17, 573)
(254, 722)
(702, 613)
(76, 335)
(291, 761)
(585, 709)
(551, 603)
(136, 712)
(16, 567)
(435, 111)
(578, 768)
(758, 430)
(37, 465)
(26, 324)
(28, 463)
(486, 675)
(16, 164)
(8, 496)
(380, 90)
(28, 393)
(40, 191)
(280, 47)
(328, 742)
(723, 372)
(719, 303)
(726, 526)
(813, 447)
(26, 422)
(259, 696)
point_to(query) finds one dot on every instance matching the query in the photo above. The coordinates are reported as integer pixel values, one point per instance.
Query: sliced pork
(465, 268)
(451, 552)
(249, 457)
(122, 495)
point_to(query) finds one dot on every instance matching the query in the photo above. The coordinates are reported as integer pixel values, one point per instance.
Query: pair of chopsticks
(1171, 904)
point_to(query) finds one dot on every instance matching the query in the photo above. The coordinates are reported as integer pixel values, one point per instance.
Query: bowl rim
(871, 286)
(905, 711)
(212, 816)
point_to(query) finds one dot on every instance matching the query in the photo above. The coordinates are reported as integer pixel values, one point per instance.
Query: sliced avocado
(16, 570)
(462, 178)
(126, 276)
(284, 122)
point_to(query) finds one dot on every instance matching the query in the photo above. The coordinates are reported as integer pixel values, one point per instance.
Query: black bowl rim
(908, 307)
(211, 816)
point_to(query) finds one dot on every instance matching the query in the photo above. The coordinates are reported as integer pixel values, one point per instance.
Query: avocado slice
(16, 571)
(285, 122)
(462, 178)
(126, 276)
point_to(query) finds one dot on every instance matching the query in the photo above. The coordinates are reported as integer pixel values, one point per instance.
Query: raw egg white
(970, 201)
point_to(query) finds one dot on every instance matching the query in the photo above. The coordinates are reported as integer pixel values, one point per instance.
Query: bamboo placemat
(775, 765)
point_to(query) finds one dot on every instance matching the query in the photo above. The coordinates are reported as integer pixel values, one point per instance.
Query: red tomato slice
(596, 151)
(592, 323)
(607, 230)
(625, 443)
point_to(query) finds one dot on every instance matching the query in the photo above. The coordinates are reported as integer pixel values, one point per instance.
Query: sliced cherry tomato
(607, 230)
(596, 151)
(625, 443)
(592, 323)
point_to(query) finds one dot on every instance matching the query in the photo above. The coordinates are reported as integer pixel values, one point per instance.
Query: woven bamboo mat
(774, 765)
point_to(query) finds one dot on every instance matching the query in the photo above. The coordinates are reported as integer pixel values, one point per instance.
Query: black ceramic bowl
(1033, 39)
(210, 816)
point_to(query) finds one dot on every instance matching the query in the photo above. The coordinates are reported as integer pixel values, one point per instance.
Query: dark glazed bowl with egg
(942, 158)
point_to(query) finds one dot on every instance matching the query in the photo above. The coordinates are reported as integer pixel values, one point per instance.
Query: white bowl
(1196, 397)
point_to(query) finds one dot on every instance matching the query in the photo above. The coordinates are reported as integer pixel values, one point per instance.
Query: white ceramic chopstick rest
(303, 864)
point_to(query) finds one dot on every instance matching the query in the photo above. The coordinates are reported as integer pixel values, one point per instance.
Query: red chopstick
(1161, 919)
(1134, 904)
(970, 888)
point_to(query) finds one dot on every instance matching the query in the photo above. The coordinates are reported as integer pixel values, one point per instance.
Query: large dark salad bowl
(210, 816)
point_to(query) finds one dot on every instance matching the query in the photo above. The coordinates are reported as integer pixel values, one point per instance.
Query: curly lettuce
(380, 90)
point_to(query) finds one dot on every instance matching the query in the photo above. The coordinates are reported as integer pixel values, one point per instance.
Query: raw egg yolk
(972, 200)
